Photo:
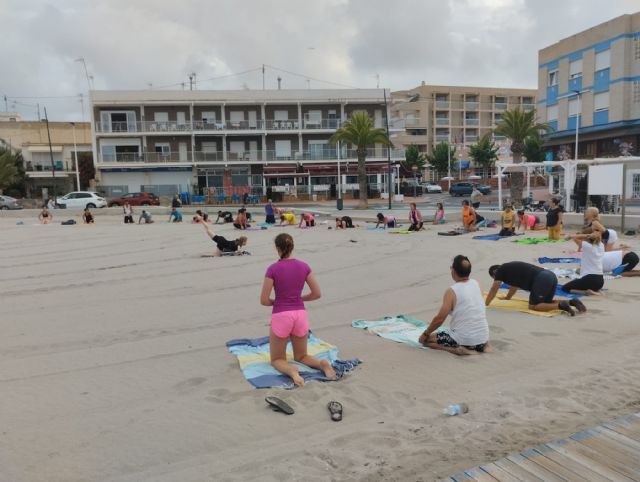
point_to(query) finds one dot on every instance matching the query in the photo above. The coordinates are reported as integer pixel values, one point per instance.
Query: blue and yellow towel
(401, 328)
(255, 363)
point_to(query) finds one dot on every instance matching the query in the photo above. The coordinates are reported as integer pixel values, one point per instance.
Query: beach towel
(402, 231)
(400, 328)
(521, 305)
(559, 292)
(545, 260)
(572, 274)
(488, 237)
(453, 232)
(375, 229)
(255, 363)
(263, 225)
(537, 240)
(256, 228)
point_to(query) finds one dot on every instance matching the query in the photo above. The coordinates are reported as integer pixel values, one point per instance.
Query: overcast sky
(132, 44)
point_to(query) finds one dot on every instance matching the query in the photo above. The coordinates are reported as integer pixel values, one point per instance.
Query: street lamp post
(414, 168)
(449, 160)
(75, 155)
(578, 115)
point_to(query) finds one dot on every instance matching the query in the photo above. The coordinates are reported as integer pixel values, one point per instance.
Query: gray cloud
(129, 44)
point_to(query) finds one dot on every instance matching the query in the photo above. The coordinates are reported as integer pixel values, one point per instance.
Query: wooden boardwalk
(608, 452)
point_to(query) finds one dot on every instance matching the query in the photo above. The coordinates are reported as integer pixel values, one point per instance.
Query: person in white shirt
(620, 262)
(468, 332)
(591, 278)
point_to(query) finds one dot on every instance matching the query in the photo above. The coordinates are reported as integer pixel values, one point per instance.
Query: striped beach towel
(255, 363)
(400, 328)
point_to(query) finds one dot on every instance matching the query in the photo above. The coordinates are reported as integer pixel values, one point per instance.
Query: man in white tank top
(468, 332)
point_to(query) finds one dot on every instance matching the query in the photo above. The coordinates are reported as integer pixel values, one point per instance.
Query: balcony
(500, 105)
(442, 104)
(442, 138)
(528, 106)
(470, 138)
(472, 122)
(412, 123)
(442, 121)
(147, 157)
(471, 105)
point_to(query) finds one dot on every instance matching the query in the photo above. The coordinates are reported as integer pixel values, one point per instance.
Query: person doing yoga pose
(344, 222)
(554, 219)
(308, 219)
(539, 282)
(468, 332)
(287, 278)
(386, 221)
(439, 217)
(223, 244)
(415, 218)
(527, 221)
(591, 278)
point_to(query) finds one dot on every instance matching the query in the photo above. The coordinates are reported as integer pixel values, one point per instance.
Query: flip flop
(619, 270)
(335, 408)
(279, 405)
(578, 305)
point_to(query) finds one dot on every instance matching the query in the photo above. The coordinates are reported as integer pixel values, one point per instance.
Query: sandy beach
(113, 365)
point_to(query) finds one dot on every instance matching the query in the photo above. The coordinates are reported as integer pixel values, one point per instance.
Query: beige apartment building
(229, 143)
(31, 138)
(430, 114)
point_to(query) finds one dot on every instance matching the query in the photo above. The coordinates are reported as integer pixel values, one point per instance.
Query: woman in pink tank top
(287, 278)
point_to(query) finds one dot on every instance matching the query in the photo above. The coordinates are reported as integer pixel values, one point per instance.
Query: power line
(311, 78)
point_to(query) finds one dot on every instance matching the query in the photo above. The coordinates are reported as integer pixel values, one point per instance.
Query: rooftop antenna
(308, 83)
(279, 81)
(192, 79)
(81, 106)
(262, 76)
(86, 72)
(377, 76)
(150, 84)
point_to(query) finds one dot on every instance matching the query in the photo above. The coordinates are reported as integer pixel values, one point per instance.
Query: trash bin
(314, 197)
(339, 204)
(185, 198)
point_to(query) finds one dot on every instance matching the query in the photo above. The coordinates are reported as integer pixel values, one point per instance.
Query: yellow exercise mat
(521, 305)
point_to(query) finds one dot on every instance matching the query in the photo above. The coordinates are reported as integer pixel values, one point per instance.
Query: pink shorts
(287, 323)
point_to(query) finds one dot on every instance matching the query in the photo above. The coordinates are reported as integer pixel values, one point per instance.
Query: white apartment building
(231, 142)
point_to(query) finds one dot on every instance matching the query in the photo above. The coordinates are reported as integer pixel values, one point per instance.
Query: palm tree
(360, 131)
(518, 124)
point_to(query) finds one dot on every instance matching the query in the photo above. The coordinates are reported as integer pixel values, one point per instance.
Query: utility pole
(262, 76)
(53, 164)
(6, 105)
(38, 107)
(75, 154)
(386, 116)
(192, 76)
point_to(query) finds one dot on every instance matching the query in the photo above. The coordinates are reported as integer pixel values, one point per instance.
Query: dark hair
(338, 219)
(555, 200)
(461, 266)
(493, 269)
(413, 204)
(242, 210)
(380, 217)
(284, 244)
(219, 213)
(282, 217)
(242, 240)
(520, 212)
(198, 211)
(465, 203)
(440, 206)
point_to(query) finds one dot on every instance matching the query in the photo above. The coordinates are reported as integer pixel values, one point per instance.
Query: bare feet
(564, 306)
(595, 293)
(327, 369)
(297, 379)
(578, 305)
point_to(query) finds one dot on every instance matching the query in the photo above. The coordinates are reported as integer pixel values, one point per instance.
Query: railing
(500, 105)
(442, 121)
(470, 138)
(471, 105)
(442, 104)
(410, 122)
(442, 138)
(472, 122)
(528, 106)
(60, 166)
(150, 157)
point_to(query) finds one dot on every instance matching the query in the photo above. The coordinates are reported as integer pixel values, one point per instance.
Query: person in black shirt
(223, 244)
(344, 222)
(226, 217)
(554, 219)
(539, 282)
(175, 202)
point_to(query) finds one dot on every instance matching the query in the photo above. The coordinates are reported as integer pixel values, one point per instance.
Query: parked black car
(465, 189)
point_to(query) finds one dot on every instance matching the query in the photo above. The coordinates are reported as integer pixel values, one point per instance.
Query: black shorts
(310, 223)
(543, 288)
(270, 219)
(348, 222)
(593, 282)
(223, 245)
(475, 205)
(416, 227)
(443, 338)
(631, 260)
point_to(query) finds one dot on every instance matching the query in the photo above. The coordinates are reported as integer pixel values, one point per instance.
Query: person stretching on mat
(287, 278)
(469, 217)
(620, 262)
(288, 218)
(439, 217)
(45, 216)
(554, 219)
(507, 221)
(223, 244)
(593, 224)
(415, 218)
(269, 211)
(386, 221)
(539, 282)
(468, 332)
(527, 221)
(201, 217)
(308, 219)
(241, 221)
(226, 217)
(591, 278)
(176, 215)
(87, 217)
(344, 222)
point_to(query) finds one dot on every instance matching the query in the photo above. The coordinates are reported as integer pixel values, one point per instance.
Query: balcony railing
(442, 121)
(471, 105)
(442, 138)
(472, 122)
(500, 105)
(327, 154)
(528, 106)
(442, 104)
(470, 138)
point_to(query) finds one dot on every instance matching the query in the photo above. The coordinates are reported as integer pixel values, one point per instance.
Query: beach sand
(113, 365)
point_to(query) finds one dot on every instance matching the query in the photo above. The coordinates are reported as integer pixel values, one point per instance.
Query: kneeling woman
(287, 278)
(386, 221)
(591, 278)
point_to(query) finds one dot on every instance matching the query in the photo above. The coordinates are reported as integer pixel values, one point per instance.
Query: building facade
(31, 138)
(231, 142)
(430, 114)
(591, 80)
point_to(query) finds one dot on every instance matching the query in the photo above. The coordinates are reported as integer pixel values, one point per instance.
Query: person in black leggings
(591, 271)
(630, 260)
(344, 222)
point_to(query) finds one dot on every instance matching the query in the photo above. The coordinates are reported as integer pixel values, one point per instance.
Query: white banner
(605, 180)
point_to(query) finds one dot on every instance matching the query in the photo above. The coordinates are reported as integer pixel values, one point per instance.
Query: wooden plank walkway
(607, 453)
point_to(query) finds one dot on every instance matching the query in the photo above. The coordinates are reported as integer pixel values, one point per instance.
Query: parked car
(8, 202)
(465, 189)
(81, 199)
(430, 187)
(136, 199)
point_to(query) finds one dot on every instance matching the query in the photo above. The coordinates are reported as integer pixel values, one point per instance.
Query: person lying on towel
(539, 282)
(468, 332)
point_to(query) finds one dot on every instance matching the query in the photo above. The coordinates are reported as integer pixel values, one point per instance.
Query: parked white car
(82, 199)
(431, 187)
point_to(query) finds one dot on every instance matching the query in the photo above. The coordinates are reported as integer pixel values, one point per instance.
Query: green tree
(441, 157)
(518, 124)
(10, 168)
(413, 157)
(485, 152)
(534, 149)
(360, 132)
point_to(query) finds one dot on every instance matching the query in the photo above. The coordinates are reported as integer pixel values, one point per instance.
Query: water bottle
(456, 409)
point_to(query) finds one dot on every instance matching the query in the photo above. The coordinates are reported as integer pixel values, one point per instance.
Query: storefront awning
(44, 148)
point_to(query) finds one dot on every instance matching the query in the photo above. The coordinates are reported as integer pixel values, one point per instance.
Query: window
(283, 149)
(281, 115)
(552, 78)
(601, 101)
(636, 91)
(236, 116)
(603, 60)
(575, 69)
(209, 117)
(636, 47)
(552, 112)
(163, 148)
(161, 116)
(574, 107)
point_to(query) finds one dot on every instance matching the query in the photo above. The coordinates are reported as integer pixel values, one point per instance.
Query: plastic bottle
(456, 409)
